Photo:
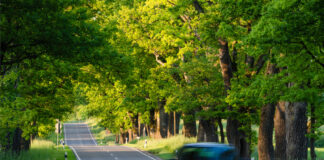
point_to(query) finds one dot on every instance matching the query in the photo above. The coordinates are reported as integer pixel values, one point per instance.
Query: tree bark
(201, 137)
(171, 122)
(265, 143)
(208, 130)
(189, 125)
(177, 129)
(163, 121)
(135, 130)
(234, 136)
(312, 131)
(265, 146)
(117, 138)
(296, 130)
(280, 131)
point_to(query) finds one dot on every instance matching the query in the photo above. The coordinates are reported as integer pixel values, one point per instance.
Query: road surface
(79, 138)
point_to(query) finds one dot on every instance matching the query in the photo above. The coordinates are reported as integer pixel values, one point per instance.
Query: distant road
(79, 138)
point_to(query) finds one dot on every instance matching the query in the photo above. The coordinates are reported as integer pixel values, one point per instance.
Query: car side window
(228, 155)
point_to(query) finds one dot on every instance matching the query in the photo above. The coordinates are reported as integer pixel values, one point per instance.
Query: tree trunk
(296, 130)
(201, 137)
(18, 142)
(189, 124)
(208, 130)
(171, 122)
(265, 146)
(117, 138)
(163, 121)
(177, 129)
(123, 136)
(221, 130)
(312, 131)
(135, 127)
(154, 126)
(234, 136)
(280, 131)
(265, 143)
(130, 135)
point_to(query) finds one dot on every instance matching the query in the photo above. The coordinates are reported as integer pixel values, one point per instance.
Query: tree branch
(157, 58)
(311, 54)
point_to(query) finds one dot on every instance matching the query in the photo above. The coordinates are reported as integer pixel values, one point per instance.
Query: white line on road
(91, 135)
(75, 152)
(141, 152)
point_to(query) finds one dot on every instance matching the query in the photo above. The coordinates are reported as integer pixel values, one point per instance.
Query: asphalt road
(79, 138)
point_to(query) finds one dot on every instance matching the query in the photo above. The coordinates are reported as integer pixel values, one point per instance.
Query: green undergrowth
(41, 149)
(102, 136)
(164, 148)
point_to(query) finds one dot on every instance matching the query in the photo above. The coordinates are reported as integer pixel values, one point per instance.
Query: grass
(164, 148)
(100, 134)
(41, 150)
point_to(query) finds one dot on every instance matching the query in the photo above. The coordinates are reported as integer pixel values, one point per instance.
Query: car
(207, 151)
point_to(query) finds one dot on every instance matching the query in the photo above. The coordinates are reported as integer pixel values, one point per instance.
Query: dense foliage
(143, 63)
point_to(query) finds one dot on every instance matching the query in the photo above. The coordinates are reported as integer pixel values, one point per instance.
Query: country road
(79, 138)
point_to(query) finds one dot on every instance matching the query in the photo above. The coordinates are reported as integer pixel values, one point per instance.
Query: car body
(207, 151)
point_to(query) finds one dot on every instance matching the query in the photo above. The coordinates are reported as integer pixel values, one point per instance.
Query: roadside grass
(164, 148)
(100, 134)
(41, 149)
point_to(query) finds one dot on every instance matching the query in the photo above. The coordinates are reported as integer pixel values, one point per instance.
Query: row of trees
(146, 63)
(246, 62)
(43, 46)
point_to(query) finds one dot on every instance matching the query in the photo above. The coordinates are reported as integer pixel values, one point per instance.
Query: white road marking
(141, 152)
(91, 135)
(75, 152)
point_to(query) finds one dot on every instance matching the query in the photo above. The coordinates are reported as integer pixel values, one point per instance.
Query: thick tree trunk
(189, 125)
(171, 126)
(117, 138)
(312, 131)
(177, 129)
(163, 121)
(208, 130)
(18, 142)
(130, 135)
(234, 136)
(265, 146)
(296, 130)
(201, 137)
(154, 126)
(135, 130)
(221, 130)
(123, 136)
(280, 131)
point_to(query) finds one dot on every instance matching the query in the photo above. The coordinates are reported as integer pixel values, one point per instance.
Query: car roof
(210, 145)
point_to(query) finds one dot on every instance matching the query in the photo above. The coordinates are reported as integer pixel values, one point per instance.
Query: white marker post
(65, 155)
(145, 144)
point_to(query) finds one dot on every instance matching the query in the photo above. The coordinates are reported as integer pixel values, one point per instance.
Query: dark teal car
(207, 151)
